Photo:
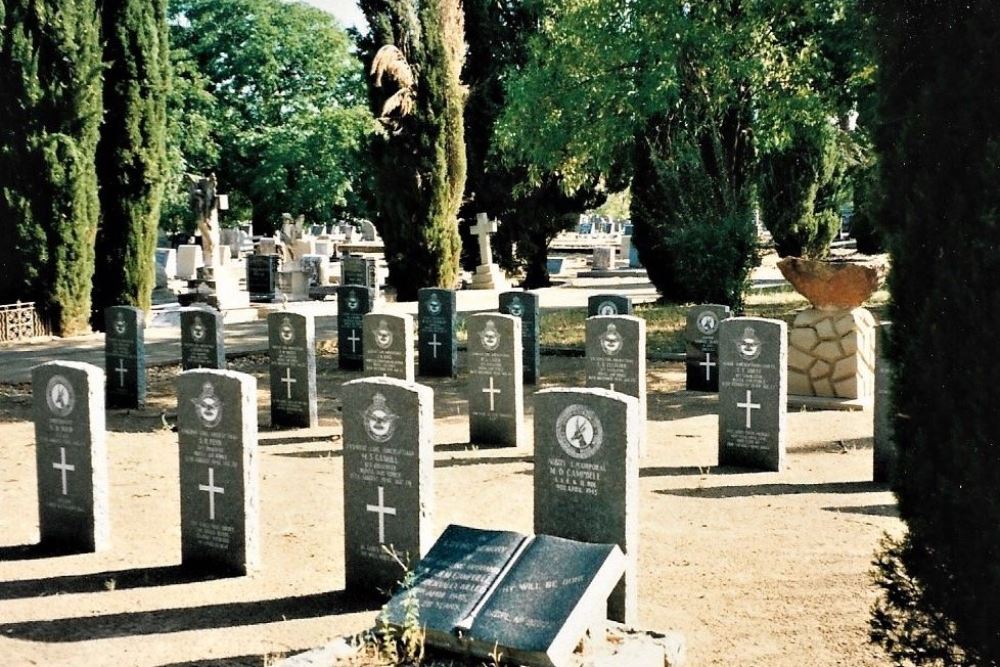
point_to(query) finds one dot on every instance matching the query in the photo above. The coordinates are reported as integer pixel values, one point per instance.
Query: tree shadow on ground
(867, 510)
(208, 617)
(265, 660)
(681, 405)
(148, 577)
(750, 490)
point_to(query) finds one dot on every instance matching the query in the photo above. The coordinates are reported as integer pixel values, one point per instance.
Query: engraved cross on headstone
(381, 510)
(354, 338)
(748, 406)
(483, 228)
(212, 489)
(435, 344)
(492, 392)
(708, 364)
(122, 372)
(288, 381)
(63, 468)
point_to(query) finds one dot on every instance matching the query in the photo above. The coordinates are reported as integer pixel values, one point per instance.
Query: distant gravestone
(125, 357)
(604, 258)
(884, 463)
(753, 390)
(496, 390)
(202, 339)
(220, 497)
(388, 473)
(292, 348)
(361, 271)
(609, 304)
(388, 345)
(702, 346)
(437, 344)
(353, 302)
(262, 277)
(189, 258)
(524, 305)
(71, 453)
(587, 477)
(616, 357)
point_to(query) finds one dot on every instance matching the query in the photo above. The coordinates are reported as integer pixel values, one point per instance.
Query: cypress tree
(939, 150)
(50, 112)
(416, 52)
(131, 155)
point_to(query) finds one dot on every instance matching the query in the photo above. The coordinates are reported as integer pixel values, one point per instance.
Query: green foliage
(801, 189)
(940, 163)
(131, 154)
(269, 96)
(416, 50)
(50, 110)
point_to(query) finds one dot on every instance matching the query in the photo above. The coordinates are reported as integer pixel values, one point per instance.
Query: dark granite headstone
(71, 454)
(125, 357)
(353, 302)
(884, 463)
(262, 277)
(753, 391)
(220, 499)
(436, 341)
(292, 347)
(202, 339)
(530, 599)
(388, 345)
(525, 306)
(496, 390)
(587, 477)
(362, 271)
(702, 346)
(609, 304)
(616, 357)
(388, 474)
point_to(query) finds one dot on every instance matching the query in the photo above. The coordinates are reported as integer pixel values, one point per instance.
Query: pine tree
(416, 51)
(50, 112)
(131, 155)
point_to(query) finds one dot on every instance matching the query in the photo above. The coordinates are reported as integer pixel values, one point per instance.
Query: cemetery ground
(753, 568)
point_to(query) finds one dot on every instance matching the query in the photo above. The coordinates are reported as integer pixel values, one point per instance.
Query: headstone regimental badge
(579, 431)
(208, 406)
(707, 323)
(352, 300)
(383, 335)
(748, 345)
(611, 341)
(489, 336)
(607, 308)
(59, 396)
(120, 325)
(516, 307)
(198, 329)
(434, 304)
(380, 421)
(286, 331)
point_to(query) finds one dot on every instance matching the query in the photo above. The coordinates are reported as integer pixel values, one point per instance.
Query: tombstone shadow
(689, 471)
(148, 577)
(681, 404)
(867, 510)
(751, 490)
(264, 660)
(314, 454)
(37, 551)
(295, 439)
(481, 460)
(207, 617)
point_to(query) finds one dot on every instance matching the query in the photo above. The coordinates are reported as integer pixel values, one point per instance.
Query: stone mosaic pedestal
(832, 353)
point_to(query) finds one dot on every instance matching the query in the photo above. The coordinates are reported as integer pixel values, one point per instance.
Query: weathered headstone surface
(262, 276)
(702, 345)
(125, 356)
(616, 356)
(496, 390)
(753, 392)
(604, 258)
(362, 271)
(202, 339)
(609, 304)
(437, 344)
(885, 447)
(587, 477)
(292, 347)
(353, 302)
(388, 473)
(525, 306)
(71, 453)
(388, 345)
(220, 497)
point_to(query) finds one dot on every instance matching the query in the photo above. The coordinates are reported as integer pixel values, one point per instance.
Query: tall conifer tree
(50, 112)
(131, 155)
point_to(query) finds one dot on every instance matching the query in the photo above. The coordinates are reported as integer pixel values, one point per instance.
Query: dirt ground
(753, 568)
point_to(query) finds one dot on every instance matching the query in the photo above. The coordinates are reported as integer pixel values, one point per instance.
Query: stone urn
(831, 346)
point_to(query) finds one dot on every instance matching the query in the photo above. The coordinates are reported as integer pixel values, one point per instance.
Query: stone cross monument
(488, 275)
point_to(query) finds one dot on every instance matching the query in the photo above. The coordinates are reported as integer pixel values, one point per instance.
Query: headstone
(71, 453)
(524, 305)
(604, 258)
(616, 358)
(189, 259)
(388, 345)
(554, 265)
(317, 269)
(353, 302)
(753, 392)
(262, 277)
(496, 390)
(368, 232)
(702, 345)
(166, 266)
(220, 497)
(884, 447)
(292, 347)
(587, 477)
(360, 271)
(585, 228)
(267, 246)
(436, 341)
(202, 339)
(488, 275)
(609, 304)
(388, 480)
(125, 357)
(324, 248)
(530, 599)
